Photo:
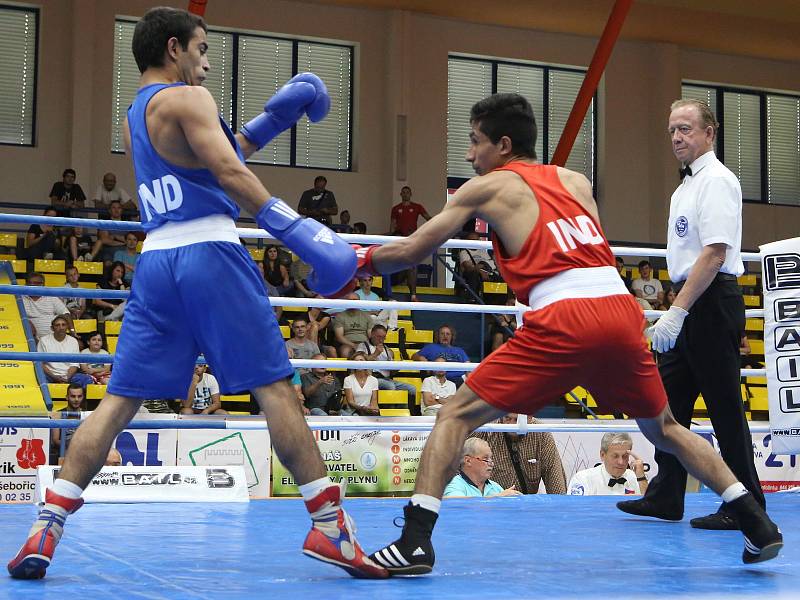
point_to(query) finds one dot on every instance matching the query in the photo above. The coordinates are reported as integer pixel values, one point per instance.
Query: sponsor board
(248, 449)
(160, 484)
(22, 451)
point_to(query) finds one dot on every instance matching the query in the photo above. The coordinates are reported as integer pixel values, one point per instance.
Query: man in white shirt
(616, 475)
(108, 192)
(476, 265)
(203, 397)
(376, 349)
(41, 310)
(436, 390)
(59, 341)
(698, 337)
(648, 287)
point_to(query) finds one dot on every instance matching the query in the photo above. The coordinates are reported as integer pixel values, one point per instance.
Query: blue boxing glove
(333, 260)
(303, 93)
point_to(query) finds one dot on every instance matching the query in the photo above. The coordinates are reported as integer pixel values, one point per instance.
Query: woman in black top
(275, 272)
(112, 280)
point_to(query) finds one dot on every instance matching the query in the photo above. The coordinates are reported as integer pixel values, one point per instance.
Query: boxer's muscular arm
(465, 204)
(197, 117)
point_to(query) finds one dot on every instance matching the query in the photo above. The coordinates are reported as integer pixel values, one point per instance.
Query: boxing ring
(538, 545)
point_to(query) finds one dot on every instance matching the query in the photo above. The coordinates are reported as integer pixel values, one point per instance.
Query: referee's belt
(719, 277)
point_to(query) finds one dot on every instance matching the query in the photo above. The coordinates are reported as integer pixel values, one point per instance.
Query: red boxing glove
(364, 265)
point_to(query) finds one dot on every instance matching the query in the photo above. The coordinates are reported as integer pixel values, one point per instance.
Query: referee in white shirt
(698, 338)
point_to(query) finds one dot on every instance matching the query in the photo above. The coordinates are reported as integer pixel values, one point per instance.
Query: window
(246, 70)
(550, 90)
(759, 139)
(19, 32)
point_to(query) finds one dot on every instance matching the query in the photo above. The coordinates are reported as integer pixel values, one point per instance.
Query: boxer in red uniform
(584, 328)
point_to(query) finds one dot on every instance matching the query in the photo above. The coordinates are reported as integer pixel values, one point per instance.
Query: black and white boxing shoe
(412, 554)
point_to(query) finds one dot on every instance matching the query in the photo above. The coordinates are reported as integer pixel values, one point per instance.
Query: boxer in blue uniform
(198, 291)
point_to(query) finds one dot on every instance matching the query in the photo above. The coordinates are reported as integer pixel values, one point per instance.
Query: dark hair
(439, 328)
(507, 115)
(75, 386)
(59, 318)
(91, 334)
(114, 202)
(68, 172)
(405, 187)
(360, 227)
(112, 266)
(378, 326)
(154, 30)
(300, 318)
(32, 274)
(645, 263)
(320, 178)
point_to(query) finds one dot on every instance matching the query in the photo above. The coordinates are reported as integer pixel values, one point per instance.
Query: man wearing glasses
(473, 480)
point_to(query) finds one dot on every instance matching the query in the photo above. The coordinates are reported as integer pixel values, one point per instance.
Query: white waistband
(590, 282)
(213, 228)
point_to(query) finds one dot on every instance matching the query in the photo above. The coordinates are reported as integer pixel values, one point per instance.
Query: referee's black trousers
(706, 361)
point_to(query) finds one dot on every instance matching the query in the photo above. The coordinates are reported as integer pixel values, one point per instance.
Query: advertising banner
(151, 448)
(249, 449)
(22, 451)
(160, 484)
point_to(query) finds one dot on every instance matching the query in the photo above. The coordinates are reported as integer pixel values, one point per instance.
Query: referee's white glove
(665, 332)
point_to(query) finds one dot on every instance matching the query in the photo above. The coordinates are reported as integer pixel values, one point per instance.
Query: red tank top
(565, 237)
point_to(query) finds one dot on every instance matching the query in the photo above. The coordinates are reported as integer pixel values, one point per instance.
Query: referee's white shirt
(705, 209)
(594, 482)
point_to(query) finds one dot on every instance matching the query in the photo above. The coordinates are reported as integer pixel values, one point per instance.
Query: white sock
(736, 490)
(427, 502)
(312, 488)
(65, 488)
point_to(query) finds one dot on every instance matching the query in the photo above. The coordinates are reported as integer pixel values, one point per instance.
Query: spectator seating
(393, 403)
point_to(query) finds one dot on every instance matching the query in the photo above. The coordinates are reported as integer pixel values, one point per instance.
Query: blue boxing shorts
(207, 298)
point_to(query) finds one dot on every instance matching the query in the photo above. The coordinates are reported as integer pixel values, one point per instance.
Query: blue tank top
(169, 192)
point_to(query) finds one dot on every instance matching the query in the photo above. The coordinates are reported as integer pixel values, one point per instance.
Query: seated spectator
(748, 360)
(375, 349)
(322, 390)
(522, 462)
(128, 256)
(364, 291)
(109, 241)
(75, 306)
(344, 223)
(58, 341)
(669, 298)
(502, 326)
(442, 346)
(299, 346)
(472, 480)
(623, 272)
(436, 391)
(320, 330)
(276, 274)
(113, 458)
(360, 228)
(621, 472)
(160, 406)
(350, 328)
(203, 397)
(298, 272)
(318, 203)
(109, 192)
(66, 194)
(79, 245)
(111, 309)
(41, 310)
(297, 384)
(42, 241)
(648, 287)
(76, 404)
(360, 391)
(476, 266)
(99, 372)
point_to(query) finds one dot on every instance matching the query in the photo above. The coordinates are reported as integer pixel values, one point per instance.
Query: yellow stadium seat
(139, 246)
(19, 266)
(256, 253)
(759, 398)
(407, 325)
(113, 327)
(393, 403)
(54, 279)
(419, 337)
(295, 309)
(745, 394)
(635, 273)
(747, 280)
(754, 325)
(377, 281)
(756, 380)
(111, 341)
(95, 392)
(599, 416)
(8, 257)
(59, 405)
(490, 287)
(663, 275)
(700, 403)
(57, 390)
(8, 239)
(391, 337)
(85, 325)
(333, 368)
(87, 285)
(236, 398)
(89, 268)
(752, 301)
(757, 347)
(286, 332)
(416, 382)
(403, 313)
(41, 265)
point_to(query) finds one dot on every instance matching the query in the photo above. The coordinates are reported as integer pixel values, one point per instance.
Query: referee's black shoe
(762, 538)
(644, 507)
(413, 553)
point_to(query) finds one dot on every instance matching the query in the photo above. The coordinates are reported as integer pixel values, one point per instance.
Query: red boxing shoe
(34, 557)
(332, 537)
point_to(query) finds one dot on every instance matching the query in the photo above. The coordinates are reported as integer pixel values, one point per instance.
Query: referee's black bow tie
(613, 481)
(685, 171)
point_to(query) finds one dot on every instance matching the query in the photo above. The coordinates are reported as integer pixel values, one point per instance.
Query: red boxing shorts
(596, 343)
